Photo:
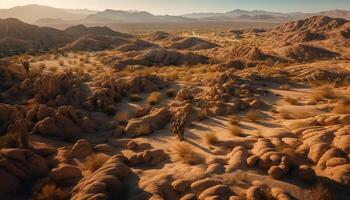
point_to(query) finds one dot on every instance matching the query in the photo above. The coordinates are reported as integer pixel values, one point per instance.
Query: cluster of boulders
(9, 114)
(203, 188)
(265, 156)
(105, 93)
(65, 122)
(148, 157)
(18, 166)
(225, 96)
(57, 89)
(327, 147)
(162, 57)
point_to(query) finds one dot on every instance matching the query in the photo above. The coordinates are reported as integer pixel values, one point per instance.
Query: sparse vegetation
(235, 130)
(53, 69)
(171, 93)
(154, 98)
(210, 138)
(143, 129)
(292, 101)
(322, 93)
(342, 107)
(184, 153)
(122, 117)
(253, 115)
(234, 120)
(94, 162)
(135, 97)
(52, 192)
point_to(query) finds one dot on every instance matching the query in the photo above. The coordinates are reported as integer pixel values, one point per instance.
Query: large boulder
(65, 172)
(157, 119)
(81, 149)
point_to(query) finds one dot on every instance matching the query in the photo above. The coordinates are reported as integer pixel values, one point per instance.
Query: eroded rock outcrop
(105, 183)
(19, 165)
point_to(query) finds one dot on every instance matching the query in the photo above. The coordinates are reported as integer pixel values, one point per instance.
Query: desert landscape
(258, 113)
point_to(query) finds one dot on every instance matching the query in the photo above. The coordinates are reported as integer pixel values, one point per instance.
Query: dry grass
(171, 93)
(321, 191)
(61, 62)
(94, 162)
(154, 98)
(235, 130)
(295, 114)
(53, 69)
(286, 114)
(322, 93)
(253, 115)
(135, 97)
(291, 100)
(143, 129)
(298, 124)
(202, 114)
(210, 138)
(184, 153)
(234, 120)
(122, 117)
(342, 107)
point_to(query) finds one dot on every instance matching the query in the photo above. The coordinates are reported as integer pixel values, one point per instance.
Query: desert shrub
(253, 115)
(321, 191)
(53, 69)
(284, 87)
(52, 192)
(234, 120)
(154, 98)
(140, 112)
(285, 114)
(135, 97)
(61, 62)
(210, 138)
(171, 93)
(202, 114)
(291, 100)
(143, 129)
(342, 107)
(298, 124)
(90, 70)
(184, 153)
(42, 66)
(294, 114)
(94, 162)
(235, 130)
(322, 93)
(122, 117)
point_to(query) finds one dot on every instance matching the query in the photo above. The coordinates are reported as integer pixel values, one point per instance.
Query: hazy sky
(187, 6)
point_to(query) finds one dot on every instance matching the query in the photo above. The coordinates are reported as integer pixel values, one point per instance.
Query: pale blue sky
(188, 6)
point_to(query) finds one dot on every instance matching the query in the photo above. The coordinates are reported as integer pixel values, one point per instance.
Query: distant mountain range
(45, 16)
(31, 13)
(265, 15)
(132, 16)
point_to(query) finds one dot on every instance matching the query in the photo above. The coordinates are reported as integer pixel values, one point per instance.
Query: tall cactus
(26, 65)
(22, 131)
(178, 127)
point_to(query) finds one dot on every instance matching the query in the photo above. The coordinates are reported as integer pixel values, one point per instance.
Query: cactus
(21, 126)
(26, 66)
(178, 127)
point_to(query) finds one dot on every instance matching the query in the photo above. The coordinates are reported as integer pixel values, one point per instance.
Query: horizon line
(233, 9)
